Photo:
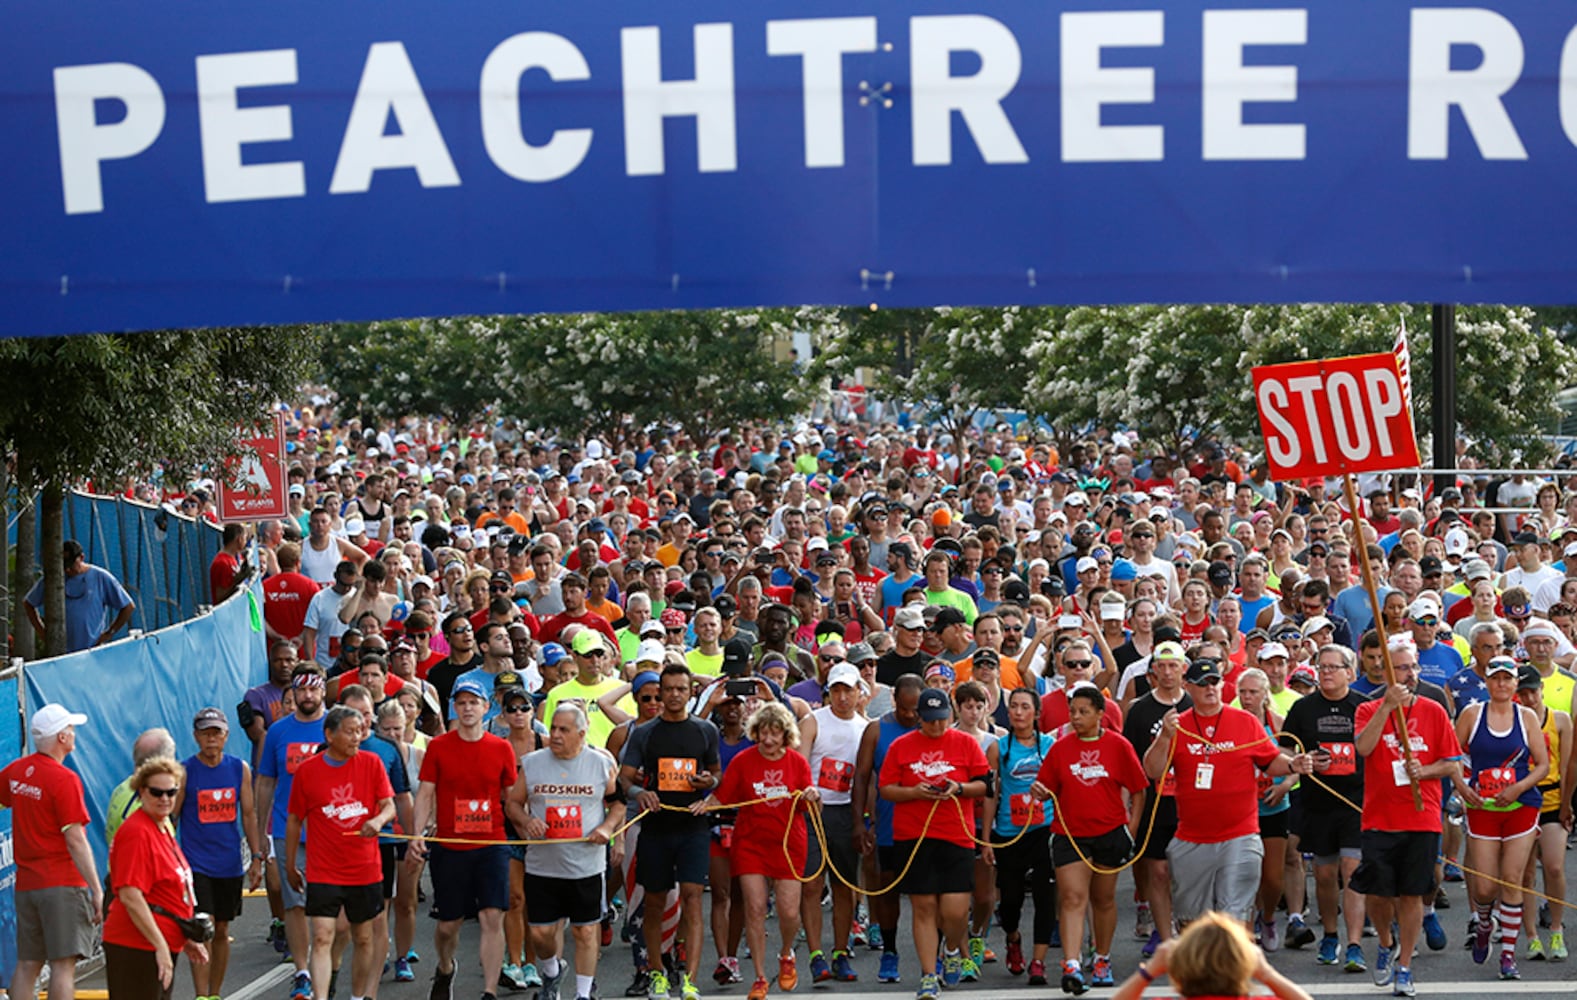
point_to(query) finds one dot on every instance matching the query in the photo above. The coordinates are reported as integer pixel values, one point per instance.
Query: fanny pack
(198, 927)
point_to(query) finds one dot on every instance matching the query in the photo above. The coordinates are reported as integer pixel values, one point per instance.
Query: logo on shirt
(1395, 745)
(1089, 768)
(771, 786)
(25, 790)
(932, 764)
(343, 807)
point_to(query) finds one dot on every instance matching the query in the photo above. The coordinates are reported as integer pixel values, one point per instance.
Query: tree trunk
(54, 514)
(5, 563)
(25, 642)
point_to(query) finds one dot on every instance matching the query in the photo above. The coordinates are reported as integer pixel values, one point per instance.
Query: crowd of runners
(653, 690)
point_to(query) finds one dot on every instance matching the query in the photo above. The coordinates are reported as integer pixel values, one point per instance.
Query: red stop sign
(1334, 416)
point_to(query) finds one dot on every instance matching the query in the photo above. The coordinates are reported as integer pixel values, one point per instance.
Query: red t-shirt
(1054, 713)
(554, 626)
(429, 663)
(1091, 773)
(145, 855)
(471, 778)
(285, 600)
(44, 797)
(1387, 798)
(1218, 790)
(870, 586)
(391, 684)
(332, 800)
(917, 759)
(758, 832)
(222, 573)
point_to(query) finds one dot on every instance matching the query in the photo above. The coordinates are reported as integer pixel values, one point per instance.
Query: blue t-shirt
(1439, 663)
(487, 681)
(289, 743)
(93, 598)
(1353, 605)
(1467, 688)
(892, 592)
(392, 763)
(1251, 610)
(210, 829)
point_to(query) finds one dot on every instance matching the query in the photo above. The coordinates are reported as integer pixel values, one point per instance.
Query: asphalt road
(256, 970)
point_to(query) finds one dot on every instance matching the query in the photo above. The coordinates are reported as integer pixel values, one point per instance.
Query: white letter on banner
(1228, 84)
(1568, 87)
(1306, 386)
(1433, 86)
(1385, 401)
(1087, 87)
(1285, 450)
(709, 98)
(389, 85)
(501, 134)
(84, 143)
(978, 99)
(226, 126)
(822, 43)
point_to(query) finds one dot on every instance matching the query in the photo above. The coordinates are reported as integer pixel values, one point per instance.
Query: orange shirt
(1008, 676)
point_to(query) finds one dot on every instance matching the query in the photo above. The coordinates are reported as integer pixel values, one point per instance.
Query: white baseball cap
(1270, 649)
(51, 719)
(844, 672)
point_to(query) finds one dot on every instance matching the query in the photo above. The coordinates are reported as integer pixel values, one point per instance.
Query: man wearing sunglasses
(592, 680)
(1438, 662)
(463, 655)
(498, 655)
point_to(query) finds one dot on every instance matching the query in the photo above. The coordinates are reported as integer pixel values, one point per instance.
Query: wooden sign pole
(1379, 627)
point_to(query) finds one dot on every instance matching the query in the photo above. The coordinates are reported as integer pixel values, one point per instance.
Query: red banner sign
(253, 487)
(1340, 415)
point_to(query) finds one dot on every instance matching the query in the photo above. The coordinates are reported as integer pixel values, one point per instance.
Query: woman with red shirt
(148, 870)
(771, 770)
(1099, 769)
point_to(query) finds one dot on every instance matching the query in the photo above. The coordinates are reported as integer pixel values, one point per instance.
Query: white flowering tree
(430, 367)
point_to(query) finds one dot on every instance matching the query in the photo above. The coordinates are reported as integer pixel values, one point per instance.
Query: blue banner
(160, 679)
(195, 164)
(10, 749)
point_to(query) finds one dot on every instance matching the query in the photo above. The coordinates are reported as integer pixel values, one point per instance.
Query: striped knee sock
(1510, 927)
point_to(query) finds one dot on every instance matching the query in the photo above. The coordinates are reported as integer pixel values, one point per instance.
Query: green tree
(104, 406)
(431, 367)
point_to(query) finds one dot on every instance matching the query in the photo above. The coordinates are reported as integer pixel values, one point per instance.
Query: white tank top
(832, 758)
(319, 566)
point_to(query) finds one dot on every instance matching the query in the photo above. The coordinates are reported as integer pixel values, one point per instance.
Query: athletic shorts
(1221, 876)
(361, 902)
(1330, 832)
(1165, 826)
(1397, 864)
(390, 855)
(673, 855)
(54, 923)
(466, 882)
(1550, 818)
(1108, 850)
(1502, 824)
(1273, 824)
(578, 900)
(890, 860)
(939, 867)
(838, 821)
(220, 898)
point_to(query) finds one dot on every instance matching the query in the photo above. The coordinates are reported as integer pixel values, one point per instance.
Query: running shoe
(1149, 946)
(529, 976)
(1557, 949)
(857, 934)
(820, 971)
(929, 989)
(607, 929)
(442, 988)
(687, 989)
(1298, 933)
(874, 937)
(843, 969)
(1101, 972)
(1535, 949)
(977, 950)
(1328, 945)
(1144, 924)
(657, 985)
(639, 984)
(1037, 973)
(402, 971)
(887, 972)
(511, 978)
(1434, 932)
(1442, 901)
(988, 956)
(1508, 967)
(1015, 958)
(412, 957)
(788, 973)
(720, 974)
(1354, 962)
(1453, 872)
(1072, 979)
(276, 936)
(1382, 970)
(968, 971)
(952, 969)
(758, 990)
(550, 984)
(1269, 935)
(1481, 941)
(1402, 983)
(301, 986)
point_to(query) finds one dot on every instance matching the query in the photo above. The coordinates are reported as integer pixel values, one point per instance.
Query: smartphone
(742, 688)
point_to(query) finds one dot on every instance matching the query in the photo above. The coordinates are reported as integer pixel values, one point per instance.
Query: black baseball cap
(934, 704)
(1206, 669)
(736, 657)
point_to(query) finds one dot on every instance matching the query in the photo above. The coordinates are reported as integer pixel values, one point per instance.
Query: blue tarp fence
(161, 558)
(10, 749)
(158, 679)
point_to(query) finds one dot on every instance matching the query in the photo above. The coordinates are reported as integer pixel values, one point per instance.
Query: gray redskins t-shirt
(567, 796)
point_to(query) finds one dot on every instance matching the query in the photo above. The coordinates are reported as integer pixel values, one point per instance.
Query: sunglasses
(1078, 664)
(595, 654)
(460, 630)
(649, 698)
(162, 793)
(674, 631)
(1429, 622)
(1012, 628)
(420, 635)
(520, 707)
(499, 588)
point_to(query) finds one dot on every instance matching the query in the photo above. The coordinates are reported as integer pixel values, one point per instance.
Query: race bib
(1399, 773)
(216, 805)
(473, 816)
(1169, 783)
(1263, 783)
(564, 822)
(835, 775)
(1494, 780)
(674, 774)
(1025, 810)
(725, 836)
(296, 754)
(1344, 758)
(1204, 776)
